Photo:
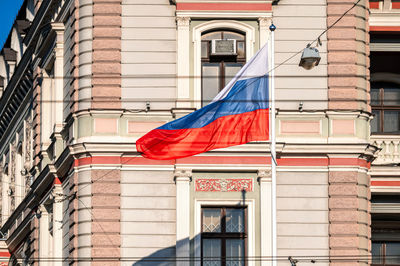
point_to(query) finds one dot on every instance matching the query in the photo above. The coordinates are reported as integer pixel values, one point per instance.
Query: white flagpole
(273, 147)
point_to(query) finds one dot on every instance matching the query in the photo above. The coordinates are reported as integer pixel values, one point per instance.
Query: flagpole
(273, 148)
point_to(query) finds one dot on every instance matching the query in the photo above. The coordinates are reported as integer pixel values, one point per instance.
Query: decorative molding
(264, 22)
(179, 173)
(210, 25)
(183, 21)
(264, 175)
(224, 185)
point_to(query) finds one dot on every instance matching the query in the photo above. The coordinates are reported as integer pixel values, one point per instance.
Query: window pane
(204, 49)
(391, 96)
(211, 252)
(375, 122)
(240, 50)
(374, 96)
(233, 35)
(376, 253)
(392, 255)
(212, 220)
(230, 71)
(210, 82)
(212, 36)
(235, 252)
(234, 220)
(391, 121)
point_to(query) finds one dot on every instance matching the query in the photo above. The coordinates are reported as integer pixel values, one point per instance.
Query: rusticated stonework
(106, 65)
(224, 185)
(348, 62)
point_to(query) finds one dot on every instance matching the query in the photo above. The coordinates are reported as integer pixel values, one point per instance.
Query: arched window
(385, 104)
(223, 53)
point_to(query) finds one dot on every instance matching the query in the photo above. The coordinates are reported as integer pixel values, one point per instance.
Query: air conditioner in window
(223, 47)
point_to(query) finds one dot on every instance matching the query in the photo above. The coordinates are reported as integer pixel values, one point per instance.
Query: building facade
(82, 80)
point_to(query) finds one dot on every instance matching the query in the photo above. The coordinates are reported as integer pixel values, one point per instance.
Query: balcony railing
(390, 149)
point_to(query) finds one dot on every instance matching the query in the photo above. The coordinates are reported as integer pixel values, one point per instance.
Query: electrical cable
(256, 258)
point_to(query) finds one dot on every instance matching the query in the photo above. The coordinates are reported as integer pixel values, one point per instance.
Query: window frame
(251, 223)
(198, 30)
(220, 60)
(383, 253)
(381, 107)
(223, 235)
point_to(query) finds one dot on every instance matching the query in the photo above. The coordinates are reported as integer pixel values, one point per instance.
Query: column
(44, 237)
(182, 180)
(57, 224)
(265, 180)
(263, 25)
(183, 66)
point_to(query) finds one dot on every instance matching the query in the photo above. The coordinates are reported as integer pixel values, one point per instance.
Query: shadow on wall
(162, 257)
(167, 256)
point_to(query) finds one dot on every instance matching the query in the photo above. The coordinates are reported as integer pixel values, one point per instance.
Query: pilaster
(182, 179)
(57, 225)
(183, 62)
(44, 239)
(265, 181)
(58, 74)
(263, 25)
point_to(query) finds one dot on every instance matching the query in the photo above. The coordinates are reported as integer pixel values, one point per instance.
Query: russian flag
(237, 115)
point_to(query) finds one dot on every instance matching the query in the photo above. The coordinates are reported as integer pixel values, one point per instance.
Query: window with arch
(220, 64)
(385, 104)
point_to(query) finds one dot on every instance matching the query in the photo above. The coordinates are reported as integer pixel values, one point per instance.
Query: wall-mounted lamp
(310, 57)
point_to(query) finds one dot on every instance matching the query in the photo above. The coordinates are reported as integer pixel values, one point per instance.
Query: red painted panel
(384, 28)
(374, 5)
(225, 6)
(224, 160)
(385, 183)
(303, 162)
(5, 254)
(57, 181)
(139, 160)
(215, 160)
(395, 5)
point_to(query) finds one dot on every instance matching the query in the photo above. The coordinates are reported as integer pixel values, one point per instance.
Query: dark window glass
(223, 236)
(385, 253)
(385, 103)
(218, 70)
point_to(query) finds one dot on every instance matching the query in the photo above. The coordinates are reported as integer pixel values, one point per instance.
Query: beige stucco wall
(298, 23)
(148, 54)
(147, 215)
(302, 214)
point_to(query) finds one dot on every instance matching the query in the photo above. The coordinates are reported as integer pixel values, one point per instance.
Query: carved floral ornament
(28, 144)
(224, 185)
(182, 21)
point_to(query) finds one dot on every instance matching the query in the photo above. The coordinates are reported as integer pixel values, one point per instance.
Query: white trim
(387, 189)
(250, 204)
(384, 47)
(183, 61)
(223, 14)
(216, 24)
(182, 219)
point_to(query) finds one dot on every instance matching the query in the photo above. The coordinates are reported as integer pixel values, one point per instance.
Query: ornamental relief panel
(27, 150)
(224, 185)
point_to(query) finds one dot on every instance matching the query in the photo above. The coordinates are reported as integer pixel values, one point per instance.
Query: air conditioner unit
(223, 47)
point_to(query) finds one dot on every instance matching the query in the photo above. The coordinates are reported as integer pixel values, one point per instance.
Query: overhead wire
(255, 258)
